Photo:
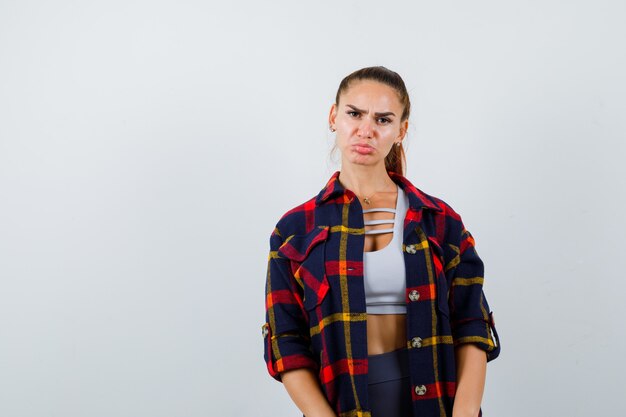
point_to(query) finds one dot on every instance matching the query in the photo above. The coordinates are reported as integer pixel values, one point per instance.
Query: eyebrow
(388, 113)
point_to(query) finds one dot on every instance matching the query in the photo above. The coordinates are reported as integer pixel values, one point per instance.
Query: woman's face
(367, 119)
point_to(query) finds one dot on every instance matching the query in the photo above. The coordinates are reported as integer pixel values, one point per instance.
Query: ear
(404, 127)
(332, 115)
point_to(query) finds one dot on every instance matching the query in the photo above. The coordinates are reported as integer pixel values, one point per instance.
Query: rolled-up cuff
(480, 332)
(287, 352)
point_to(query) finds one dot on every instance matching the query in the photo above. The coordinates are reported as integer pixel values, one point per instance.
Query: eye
(383, 120)
(352, 113)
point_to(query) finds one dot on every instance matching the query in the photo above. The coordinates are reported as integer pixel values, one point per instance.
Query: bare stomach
(385, 332)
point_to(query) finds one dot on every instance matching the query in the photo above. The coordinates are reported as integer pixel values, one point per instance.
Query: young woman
(374, 298)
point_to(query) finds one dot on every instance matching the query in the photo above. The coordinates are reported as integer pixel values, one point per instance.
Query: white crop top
(383, 269)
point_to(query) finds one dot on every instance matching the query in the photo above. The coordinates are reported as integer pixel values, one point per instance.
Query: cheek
(341, 140)
(344, 123)
(391, 132)
(345, 130)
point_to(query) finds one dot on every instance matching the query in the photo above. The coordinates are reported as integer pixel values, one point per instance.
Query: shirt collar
(417, 199)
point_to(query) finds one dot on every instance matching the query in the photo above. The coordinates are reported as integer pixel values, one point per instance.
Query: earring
(332, 129)
(398, 143)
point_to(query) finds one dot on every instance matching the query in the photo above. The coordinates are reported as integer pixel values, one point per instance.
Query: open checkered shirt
(315, 298)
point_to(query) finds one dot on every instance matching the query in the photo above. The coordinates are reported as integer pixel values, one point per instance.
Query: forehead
(368, 93)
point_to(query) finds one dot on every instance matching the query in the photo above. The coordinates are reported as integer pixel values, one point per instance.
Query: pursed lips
(363, 148)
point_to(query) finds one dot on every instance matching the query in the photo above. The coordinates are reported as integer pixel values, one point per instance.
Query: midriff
(385, 332)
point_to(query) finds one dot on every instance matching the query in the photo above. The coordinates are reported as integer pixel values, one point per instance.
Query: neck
(365, 180)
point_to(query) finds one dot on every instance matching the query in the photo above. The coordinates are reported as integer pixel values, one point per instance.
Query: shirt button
(420, 389)
(411, 249)
(414, 295)
(416, 342)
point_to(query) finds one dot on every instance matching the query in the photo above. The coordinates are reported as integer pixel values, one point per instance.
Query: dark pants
(389, 384)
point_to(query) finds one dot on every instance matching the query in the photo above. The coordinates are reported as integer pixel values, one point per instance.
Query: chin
(362, 161)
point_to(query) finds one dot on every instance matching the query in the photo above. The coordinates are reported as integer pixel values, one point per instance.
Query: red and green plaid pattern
(315, 298)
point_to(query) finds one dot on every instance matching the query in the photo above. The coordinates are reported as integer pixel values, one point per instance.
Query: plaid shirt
(315, 298)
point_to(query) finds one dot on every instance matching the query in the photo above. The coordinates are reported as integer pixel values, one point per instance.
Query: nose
(365, 128)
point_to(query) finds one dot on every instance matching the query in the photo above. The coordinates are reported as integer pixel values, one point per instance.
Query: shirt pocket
(307, 255)
(441, 281)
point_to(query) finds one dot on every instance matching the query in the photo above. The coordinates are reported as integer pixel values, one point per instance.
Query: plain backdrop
(148, 148)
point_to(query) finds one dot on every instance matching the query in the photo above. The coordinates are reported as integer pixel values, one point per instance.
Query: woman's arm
(304, 389)
(286, 336)
(471, 369)
(473, 330)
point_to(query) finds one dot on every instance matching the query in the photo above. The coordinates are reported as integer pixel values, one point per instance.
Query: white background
(147, 149)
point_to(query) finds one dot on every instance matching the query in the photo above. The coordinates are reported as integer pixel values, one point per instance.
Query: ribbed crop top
(383, 269)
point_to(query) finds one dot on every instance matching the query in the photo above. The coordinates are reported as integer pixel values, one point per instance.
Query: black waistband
(388, 366)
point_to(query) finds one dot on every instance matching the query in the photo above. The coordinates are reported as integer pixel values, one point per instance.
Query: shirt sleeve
(471, 319)
(285, 331)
